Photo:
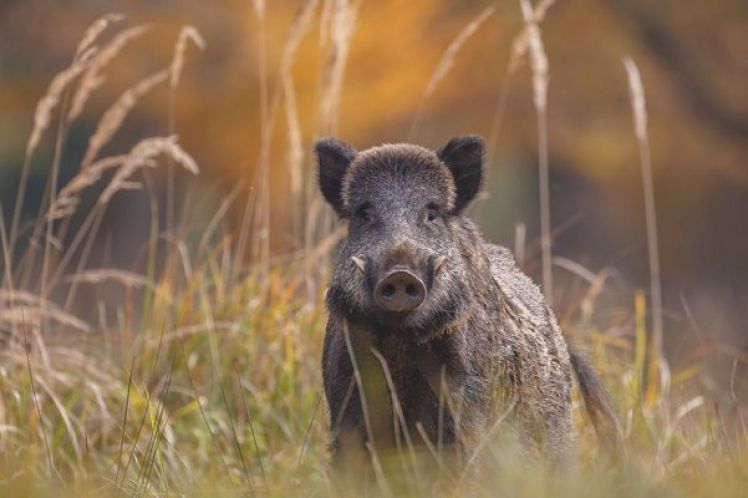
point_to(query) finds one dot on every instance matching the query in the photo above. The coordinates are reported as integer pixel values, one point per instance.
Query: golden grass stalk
(48, 103)
(521, 43)
(218, 216)
(42, 118)
(520, 46)
(337, 24)
(95, 30)
(257, 208)
(259, 6)
(539, 66)
(341, 27)
(93, 78)
(324, 22)
(448, 59)
(36, 405)
(7, 272)
(108, 125)
(64, 415)
(300, 26)
(19, 297)
(99, 276)
(91, 60)
(124, 278)
(114, 116)
(31, 316)
(69, 197)
(143, 155)
(639, 109)
(186, 34)
(538, 58)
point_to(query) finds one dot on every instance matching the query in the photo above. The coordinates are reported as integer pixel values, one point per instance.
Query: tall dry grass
(205, 378)
(656, 364)
(539, 66)
(446, 63)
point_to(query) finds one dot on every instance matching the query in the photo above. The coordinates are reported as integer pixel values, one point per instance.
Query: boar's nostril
(400, 291)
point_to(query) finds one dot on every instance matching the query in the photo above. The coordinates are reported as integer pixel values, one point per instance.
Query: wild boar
(433, 334)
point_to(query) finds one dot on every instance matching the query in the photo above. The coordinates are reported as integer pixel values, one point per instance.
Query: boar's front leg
(355, 432)
(341, 394)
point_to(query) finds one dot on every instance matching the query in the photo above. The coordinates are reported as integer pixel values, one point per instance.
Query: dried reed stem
(300, 26)
(522, 42)
(520, 46)
(342, 23)
(107, 127)
(539, 66)
(18, 308)
(69, 197)
(42, 118)
(639, 109)
(98, 60)
(186, 34)
(95, 30)
(337, 25)
(114, 116)
(93, 78)
(36, 405)
(262, 224)
(143, 155)
(7, 273)
(447, 61)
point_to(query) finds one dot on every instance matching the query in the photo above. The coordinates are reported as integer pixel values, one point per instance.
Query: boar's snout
(399, 291)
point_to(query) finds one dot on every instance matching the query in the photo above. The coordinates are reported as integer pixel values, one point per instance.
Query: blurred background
(693, 56)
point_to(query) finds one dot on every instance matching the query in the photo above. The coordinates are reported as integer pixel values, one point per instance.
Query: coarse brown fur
(483, 344)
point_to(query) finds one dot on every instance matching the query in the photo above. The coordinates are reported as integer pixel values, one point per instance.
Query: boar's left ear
(464, 158)
(333, 158)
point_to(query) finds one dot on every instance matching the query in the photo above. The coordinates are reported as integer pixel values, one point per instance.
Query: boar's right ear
(464, 158)
(333, 158)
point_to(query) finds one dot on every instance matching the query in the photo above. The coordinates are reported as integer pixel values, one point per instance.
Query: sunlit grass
(227, 398)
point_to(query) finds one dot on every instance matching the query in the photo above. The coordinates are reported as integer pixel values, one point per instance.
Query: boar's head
(403, 265)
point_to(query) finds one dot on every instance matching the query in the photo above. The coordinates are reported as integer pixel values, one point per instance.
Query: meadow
(206, 379)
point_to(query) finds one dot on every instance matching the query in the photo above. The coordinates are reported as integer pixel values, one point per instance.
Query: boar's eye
(432, 213)
(364, 213)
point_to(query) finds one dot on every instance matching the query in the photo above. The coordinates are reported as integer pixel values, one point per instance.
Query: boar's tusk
(438, 262)
(359, 261)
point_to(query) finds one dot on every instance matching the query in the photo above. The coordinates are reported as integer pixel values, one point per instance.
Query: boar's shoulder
(528, 302)
(517, 286)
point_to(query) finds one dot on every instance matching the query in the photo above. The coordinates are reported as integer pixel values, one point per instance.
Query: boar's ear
(464, 158)
(333, 158)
